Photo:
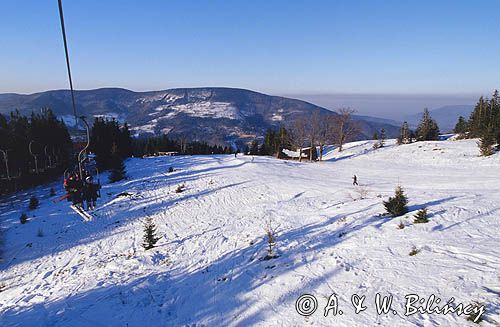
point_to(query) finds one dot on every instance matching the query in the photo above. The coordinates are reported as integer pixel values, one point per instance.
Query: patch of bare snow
(208, 109)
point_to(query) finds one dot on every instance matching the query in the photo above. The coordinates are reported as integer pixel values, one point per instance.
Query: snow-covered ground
(207, 268)
(207, 109)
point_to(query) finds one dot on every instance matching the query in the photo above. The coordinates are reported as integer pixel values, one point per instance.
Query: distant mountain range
(217, 115)
(446, 116)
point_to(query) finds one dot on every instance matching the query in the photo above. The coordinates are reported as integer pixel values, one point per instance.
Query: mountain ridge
(213, 114)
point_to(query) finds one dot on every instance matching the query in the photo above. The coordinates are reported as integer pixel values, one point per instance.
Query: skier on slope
(354, 180)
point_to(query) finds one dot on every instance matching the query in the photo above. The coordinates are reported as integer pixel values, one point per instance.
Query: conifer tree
(427, 129)
(486, 143)
(495, 116)
(33, 203)
(254, 148)
(413, 136)
(24, 218)
(150, 237)
(376, 145)
(269, 144)
(270, 229)
(461, 126)
(421, 216)
(396, 206)
(51, 144)
(125, 141)
(404, 134)
(485, 118)
(118, 167)
(106, 134)
(382, 138)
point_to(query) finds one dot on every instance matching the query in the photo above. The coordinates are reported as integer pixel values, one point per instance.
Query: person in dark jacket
(94, 193)
(77, 192)
(87, 190)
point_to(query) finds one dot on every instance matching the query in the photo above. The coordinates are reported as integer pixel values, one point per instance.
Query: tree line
(483, 123)
(32, 149)
(153, 145)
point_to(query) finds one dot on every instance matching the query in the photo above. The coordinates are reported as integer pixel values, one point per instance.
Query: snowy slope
(207, 268)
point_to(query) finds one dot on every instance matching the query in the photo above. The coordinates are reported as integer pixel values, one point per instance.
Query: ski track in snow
(207, 268)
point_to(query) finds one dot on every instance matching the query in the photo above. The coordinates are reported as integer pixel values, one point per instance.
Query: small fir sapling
(33, 203)
(150, 237)
(421, 216)
(396, 206)
(24, 218)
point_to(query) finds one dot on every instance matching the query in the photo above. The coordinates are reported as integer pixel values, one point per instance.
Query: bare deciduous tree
(325, 133)
(314, 131)
(298, 135)
(345, 127)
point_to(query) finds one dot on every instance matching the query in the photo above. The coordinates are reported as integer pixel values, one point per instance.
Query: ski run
(207, 268)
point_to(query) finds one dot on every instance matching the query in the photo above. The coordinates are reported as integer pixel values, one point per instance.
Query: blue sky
(277, 47)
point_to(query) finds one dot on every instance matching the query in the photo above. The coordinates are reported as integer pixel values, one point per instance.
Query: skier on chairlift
(87, 186)
(78, 192)
(90, 193)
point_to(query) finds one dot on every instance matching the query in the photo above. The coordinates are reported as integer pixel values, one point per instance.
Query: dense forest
(32, 150)
(109, 140)
(36, 149)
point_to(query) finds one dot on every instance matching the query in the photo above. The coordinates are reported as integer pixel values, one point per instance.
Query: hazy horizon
(388, 106)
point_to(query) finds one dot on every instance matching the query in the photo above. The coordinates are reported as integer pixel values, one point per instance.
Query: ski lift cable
(68, 66)
(61, 16)
(81, 154)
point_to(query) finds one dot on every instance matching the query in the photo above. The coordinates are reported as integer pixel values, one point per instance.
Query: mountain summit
(213, 114)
